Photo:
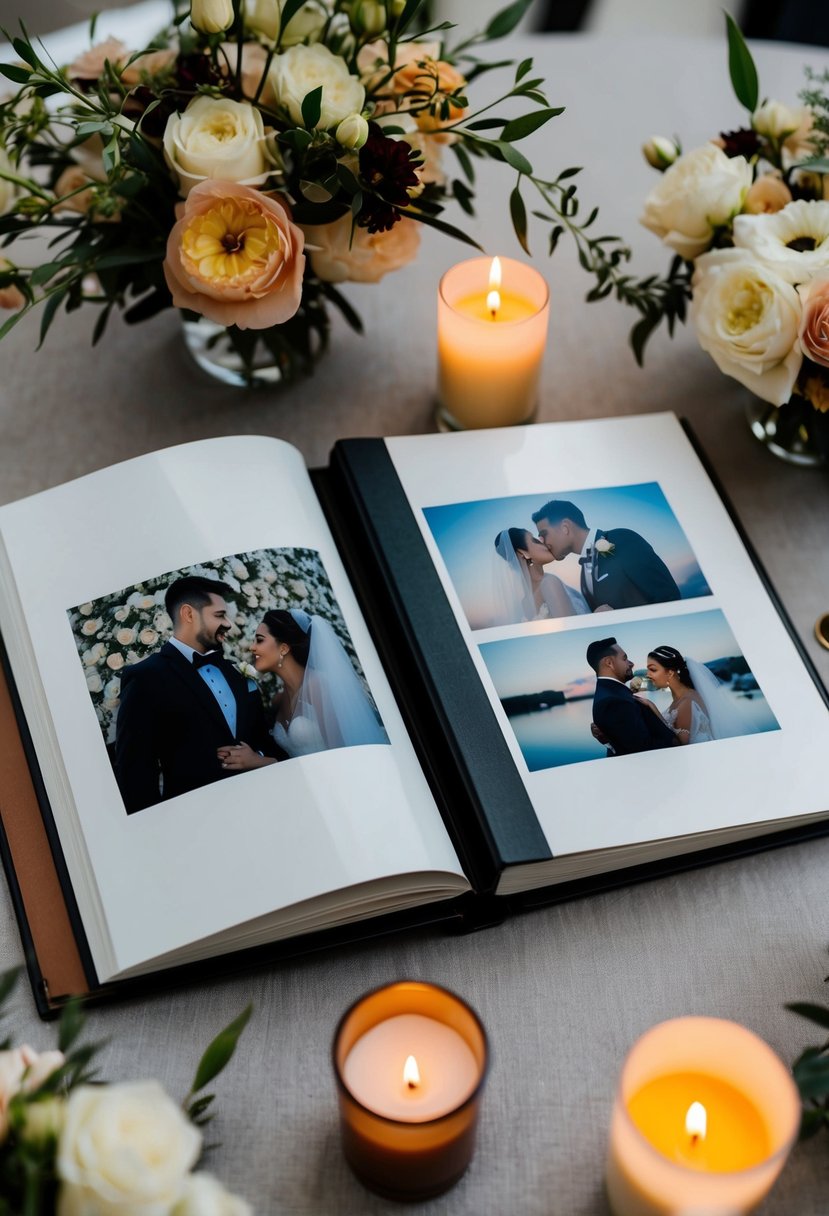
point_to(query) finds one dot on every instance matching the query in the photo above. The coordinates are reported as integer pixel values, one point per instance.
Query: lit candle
(410, 1062)
(492, 330)
(704, 1119)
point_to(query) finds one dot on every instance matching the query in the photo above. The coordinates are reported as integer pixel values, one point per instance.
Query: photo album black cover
(448, 677)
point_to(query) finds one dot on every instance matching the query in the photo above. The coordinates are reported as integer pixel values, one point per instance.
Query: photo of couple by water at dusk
(552, 696)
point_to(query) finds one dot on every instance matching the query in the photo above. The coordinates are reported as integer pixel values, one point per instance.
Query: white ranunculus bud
(352, 131)
(43, 1120)
(211, 16)
(368, 17)
(306, 25)
(775, 120)
(660, 152)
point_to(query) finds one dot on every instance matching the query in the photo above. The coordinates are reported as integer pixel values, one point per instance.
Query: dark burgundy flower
(740, 143)
(387, 166)
(377, 216)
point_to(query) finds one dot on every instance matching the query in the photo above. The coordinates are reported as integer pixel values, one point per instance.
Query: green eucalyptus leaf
(15, 74)
(811, 1073)
(518, 214)
(220, 1051)
(819, 1014)
(465, 161)
(25, 51)
(441, 226)
(287, 10)
(486, 124)
(741, 67)
(504, 23)
(521, 71)
(312, 108)
(515, 158)
(72, 1018)
(817, 164)
(521, 127)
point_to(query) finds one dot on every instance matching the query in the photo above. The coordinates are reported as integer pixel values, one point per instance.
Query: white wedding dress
(302, 737)
(332, 708)
(512, 590)
(700, 728)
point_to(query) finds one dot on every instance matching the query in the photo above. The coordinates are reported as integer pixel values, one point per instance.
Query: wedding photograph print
(551, 555)
(594, 694)
(220, 668)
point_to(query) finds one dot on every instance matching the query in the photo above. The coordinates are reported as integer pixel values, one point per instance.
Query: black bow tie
(212, 658)
(587, 559)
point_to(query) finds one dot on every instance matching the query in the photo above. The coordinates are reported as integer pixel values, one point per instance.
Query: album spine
(458, 738)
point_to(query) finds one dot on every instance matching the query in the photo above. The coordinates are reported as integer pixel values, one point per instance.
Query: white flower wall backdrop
(126, 626)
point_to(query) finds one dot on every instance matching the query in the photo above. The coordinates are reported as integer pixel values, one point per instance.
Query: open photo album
(250, 710)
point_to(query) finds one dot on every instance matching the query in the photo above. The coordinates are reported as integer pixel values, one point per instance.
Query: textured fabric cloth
(563, 991)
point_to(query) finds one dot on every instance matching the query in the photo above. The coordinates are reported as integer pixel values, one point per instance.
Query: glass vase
(795, 432)
(249, 358)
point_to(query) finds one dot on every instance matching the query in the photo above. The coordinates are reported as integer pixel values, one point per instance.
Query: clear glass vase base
(210, 348)
(788, 431)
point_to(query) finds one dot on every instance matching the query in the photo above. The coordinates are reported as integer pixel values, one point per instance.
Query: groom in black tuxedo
(623, 722)
(619, 569)
(180, 705)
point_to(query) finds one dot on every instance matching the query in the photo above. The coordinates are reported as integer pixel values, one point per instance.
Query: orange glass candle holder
(492, 332)
(410, 1062)
(704, 1118)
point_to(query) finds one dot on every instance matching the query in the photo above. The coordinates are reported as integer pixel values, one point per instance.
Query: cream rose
(124, 1149)
(90, 627)
(93, 681)
(337, 258)
(301, 69)
(146, 601)
(306, 25)
(699, 192)
(747, 319)
(148, 637)
(204, 1196)
(115, 662)
(235, 257)
(240, 570)
(814, 322)
(8, 190)
(219, 139)
(125, 637)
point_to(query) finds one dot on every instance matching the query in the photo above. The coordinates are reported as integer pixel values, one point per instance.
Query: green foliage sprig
(811, 1071)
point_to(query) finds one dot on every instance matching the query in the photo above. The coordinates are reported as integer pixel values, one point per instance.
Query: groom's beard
(212, 643)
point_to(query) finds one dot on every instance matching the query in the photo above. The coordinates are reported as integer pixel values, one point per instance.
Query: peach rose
(23, 1068)
(431, 80)
(337, 258)
(254, 62)
(89, 65)
(235, 257)
(814, 321)
(70, 194)
(151, 63)
(767, 195)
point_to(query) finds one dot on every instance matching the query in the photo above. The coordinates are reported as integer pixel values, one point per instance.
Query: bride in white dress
(522, 589)
(701, 709)
(322, 703)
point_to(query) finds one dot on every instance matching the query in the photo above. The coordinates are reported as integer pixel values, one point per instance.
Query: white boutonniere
(248, 671)
(604, 547)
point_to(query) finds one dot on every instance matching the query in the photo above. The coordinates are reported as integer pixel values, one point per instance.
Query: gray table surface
(566, 990)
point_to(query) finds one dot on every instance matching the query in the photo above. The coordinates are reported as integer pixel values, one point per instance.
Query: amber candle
(492, 331)
(704, 1119)
(410, 1061)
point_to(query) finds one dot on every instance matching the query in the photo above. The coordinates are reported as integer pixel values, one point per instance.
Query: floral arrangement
(255, 156)
(747, 216)
(75, 1148)
(128, 625)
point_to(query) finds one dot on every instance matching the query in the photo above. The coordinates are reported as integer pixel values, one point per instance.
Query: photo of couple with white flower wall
(222, 667)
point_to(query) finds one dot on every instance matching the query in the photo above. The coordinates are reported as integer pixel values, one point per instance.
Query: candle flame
(493, 299)
(411, 1073)
(696, 1121)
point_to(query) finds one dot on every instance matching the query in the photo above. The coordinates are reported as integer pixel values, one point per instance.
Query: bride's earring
(279, 660)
